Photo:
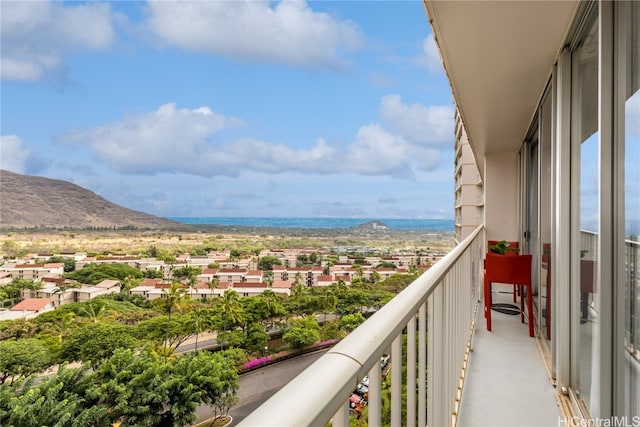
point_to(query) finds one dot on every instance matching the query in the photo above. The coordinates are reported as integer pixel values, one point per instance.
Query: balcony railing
(442, 302)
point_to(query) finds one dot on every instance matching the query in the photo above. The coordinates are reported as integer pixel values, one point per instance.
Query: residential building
(548, 94)
(469, 191)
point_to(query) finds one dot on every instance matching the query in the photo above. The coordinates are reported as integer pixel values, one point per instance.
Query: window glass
(631, 80)
(585, 291)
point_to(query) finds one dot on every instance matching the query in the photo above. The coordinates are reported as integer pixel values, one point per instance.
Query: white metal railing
(442, 301)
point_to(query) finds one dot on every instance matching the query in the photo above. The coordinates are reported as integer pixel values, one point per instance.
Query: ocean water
(393, 224)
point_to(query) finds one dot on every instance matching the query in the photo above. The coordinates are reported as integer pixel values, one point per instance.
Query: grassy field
(219, 237)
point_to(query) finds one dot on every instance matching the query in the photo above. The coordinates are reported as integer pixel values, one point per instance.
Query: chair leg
(530, 308)
(487, 303)
(521, 292)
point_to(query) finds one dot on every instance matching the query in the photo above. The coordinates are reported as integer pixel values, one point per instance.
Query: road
(257, 386)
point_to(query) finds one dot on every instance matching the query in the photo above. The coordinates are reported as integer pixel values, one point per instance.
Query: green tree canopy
(69, 263)
(95, 273)
(97, 341)
(267, 262)
(11, 291)
(301, 337)
(23, 357)
(349, 322)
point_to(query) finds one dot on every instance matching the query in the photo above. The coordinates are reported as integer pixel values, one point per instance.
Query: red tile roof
(249, 285)
(32, 304)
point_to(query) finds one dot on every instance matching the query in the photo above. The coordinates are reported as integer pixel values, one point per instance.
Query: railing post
(375, 414)
(396, 381)
(341, 418)
(437, 369)
(422, 366)
(411, 372)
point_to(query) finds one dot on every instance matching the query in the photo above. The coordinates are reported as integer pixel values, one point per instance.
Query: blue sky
(231, 108)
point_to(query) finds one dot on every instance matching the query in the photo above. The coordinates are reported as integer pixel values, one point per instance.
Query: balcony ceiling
(498, 56)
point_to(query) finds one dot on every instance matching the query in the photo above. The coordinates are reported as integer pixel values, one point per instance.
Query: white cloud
(377, 152)
(430, 56)
(168, 139)
(287, 32)
(13, 156)
(37, 34)
(430, 126)
(189, 141)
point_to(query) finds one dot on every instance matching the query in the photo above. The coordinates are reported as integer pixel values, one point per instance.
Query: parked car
(384, 360)
(354, 400)
(362, 389)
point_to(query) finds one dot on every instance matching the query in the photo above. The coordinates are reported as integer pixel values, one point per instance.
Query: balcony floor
(507, 383)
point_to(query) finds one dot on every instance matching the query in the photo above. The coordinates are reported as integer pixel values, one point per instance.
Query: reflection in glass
(631, 81)
(585, 128)
(546, 193)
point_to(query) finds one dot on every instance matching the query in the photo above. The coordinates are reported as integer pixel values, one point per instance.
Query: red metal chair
(512, 269)
(514, 249)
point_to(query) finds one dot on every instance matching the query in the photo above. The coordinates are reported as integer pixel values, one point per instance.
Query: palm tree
(96, 312)
(267, 276)
(188, 276)
(231, 309)
(271, 302)
(328, 302)
(201, 322)
(213, 284)
(300, 298)
(63, 327)
(170, 300)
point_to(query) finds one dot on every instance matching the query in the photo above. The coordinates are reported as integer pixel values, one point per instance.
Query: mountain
(36, 202)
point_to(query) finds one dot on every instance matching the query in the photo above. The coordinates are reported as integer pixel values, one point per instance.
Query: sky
(231, 108)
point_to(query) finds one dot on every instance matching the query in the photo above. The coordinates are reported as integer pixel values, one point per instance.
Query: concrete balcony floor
(507, 383)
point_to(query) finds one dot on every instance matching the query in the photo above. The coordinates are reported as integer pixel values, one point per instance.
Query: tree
(267, 277)
(303, 332)
(349, 322)
(267, 262)
(18, 328)
(300, 302)
(386, 264)
(63, 328)
(132, 386)
(13, 290)
(213, 284)
(95, 273)
(201, 378)
(327, 301)
(188, 275)
(152, 274)
(272, 304)
(69, 263)
(57, 401)
(170, 301)
(201, 321)
(300, 337)
(255, 337)
(154, 330)
(95, 312)
(97, 341)
(231, 309)
(20, 358)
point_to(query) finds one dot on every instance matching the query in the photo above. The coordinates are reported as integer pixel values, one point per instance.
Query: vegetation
(95, 273)
(129, 387)
(126, 344)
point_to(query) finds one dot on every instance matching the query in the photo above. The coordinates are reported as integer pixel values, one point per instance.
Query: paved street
(257, 386)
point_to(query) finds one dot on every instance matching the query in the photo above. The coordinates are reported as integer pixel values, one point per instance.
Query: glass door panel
(586, 138)
(630, 75)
